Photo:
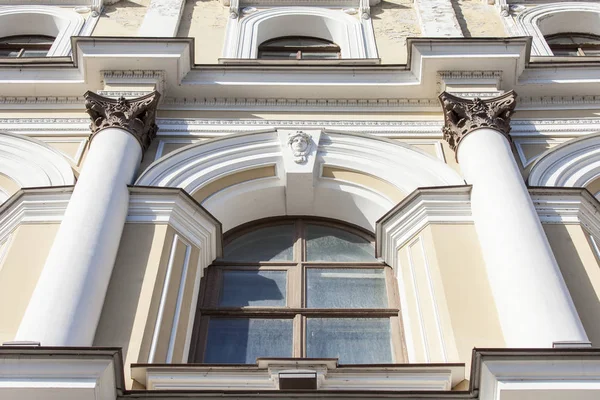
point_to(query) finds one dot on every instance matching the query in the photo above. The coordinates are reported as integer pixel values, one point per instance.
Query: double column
(66, 304)
(533, 303)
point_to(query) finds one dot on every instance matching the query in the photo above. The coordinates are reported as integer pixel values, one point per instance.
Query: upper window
(298, 288)
(574, 44)
(25, 46)
(298, 48)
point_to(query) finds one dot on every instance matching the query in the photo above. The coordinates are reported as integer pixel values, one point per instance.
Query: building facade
(299, 199)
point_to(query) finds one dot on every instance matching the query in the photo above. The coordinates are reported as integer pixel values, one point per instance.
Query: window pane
(345, 288)
(253, 288)
(273, 243)
(325, 243)
(351, 340)
(242, 341)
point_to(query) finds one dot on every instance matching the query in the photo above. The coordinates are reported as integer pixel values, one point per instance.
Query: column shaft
(66, 304)
(533, 303)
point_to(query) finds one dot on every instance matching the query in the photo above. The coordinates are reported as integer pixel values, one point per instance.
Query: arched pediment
(351, 177)
(575, 163)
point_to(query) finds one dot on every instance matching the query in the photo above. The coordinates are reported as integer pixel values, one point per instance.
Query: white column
(66, 304)
(534, 305)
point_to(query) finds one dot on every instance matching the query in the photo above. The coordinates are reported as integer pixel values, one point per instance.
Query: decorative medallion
(300, 143)
(137, 116)
(462, 116)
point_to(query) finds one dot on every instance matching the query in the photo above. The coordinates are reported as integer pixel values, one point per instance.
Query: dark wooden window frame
(578, 48)
(298, 49)
(295, 309)
(11, 43)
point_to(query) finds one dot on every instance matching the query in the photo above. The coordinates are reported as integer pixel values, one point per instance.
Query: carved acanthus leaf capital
(137, 116)
(462, 116)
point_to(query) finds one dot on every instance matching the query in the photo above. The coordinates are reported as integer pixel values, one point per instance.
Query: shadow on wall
(577, 277)
(124, 290)
(462, 22)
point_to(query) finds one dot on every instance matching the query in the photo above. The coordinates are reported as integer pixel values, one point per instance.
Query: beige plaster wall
(477, 18)
(137, 285)
(22, 259)
(579, 266)
(394, 21)
(142, 252)
(233, 179)
(360, 178)
(468, 295)
(205, 21)
(7, 185)
(121, 19)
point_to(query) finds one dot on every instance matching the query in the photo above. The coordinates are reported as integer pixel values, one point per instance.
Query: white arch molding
(548, 19)
(399, 165)
(42, 20)
(354, 36)
(575, 163)
(32, 163)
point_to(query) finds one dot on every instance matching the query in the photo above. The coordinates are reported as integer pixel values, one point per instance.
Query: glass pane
(319, 56)
(253, 288)
(34, 53)
(273, 243)
(242, 341)
(278, 55)
(565, 52)
(350, 340)
(345, 288)
(9, 53)
(325, 243)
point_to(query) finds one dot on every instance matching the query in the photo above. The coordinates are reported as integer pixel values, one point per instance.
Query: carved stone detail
(300, 143)
(462, 116)
(137, 116)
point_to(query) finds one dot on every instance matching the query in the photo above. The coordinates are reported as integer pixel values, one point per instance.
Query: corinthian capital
(462, 116)
(137, 116)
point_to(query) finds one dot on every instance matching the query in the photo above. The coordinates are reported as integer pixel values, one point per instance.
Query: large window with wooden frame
(574, 44)
(298, 288)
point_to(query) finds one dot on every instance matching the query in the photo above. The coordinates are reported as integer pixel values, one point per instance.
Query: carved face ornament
(300, 142)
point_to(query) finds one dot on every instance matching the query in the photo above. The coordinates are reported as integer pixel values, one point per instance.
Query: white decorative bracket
(234, 9)
(299, 151)
(365, 9)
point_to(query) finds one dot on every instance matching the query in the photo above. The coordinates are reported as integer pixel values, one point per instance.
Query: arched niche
(354, 36)
(57, 22)
(27, 162)
(558, 17)
(349, 177)
(575, 163)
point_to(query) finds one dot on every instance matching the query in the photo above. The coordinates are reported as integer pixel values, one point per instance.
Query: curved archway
(548, 19)
(28, 162)
(355, 37)
(575, 163)
(42, 20)
(249, 177)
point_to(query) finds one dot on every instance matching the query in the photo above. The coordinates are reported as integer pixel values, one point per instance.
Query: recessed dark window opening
(574, 44)
(298, 48)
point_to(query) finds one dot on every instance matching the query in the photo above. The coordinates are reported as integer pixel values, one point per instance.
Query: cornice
(300, 105)
(219, 127)
(452, 205)
(146, 205)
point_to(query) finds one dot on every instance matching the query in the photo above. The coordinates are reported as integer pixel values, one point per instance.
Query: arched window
(23, 46)
(574, 44)
(298, 288)
(298, 48)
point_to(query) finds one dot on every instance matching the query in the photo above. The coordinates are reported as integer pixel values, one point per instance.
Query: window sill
(330, 376)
